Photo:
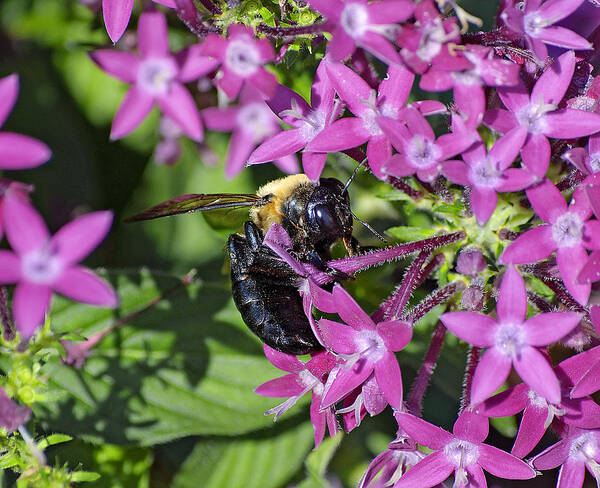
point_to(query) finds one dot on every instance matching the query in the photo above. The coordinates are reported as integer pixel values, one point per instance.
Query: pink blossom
(117, 13)
(40, 263)
(241, 57)
(17, 151)
(512, 341)
(156, 76)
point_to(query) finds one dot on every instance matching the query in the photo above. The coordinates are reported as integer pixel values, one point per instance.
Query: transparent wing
(194, 202)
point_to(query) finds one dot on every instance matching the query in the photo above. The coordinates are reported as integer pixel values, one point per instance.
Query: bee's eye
(324, 218)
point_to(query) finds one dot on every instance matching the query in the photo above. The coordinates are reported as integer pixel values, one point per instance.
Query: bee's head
(328, 214)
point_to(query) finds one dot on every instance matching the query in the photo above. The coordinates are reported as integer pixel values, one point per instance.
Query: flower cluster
(510, 174)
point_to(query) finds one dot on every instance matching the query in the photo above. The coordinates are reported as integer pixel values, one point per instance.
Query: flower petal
(30, 303)
(193, 64)
(313, 164)
(423, 432)
(483, 201)
(430, 471)
(536, 154)
(25, 228)
(75, 240)
(389, 379)
(342, 134)
(491, 372)
(338, 337)
(571, 474)
(471, 426)
(345, 381)
(350, 311)
(553, 456)
(82, 285)
(10, 267)
(570, 123)
(116, 15)
(533, 368)
(475, 328)
(288, 385)
(283, 361)
(179, 105)
(531, 430)
(282, 144)
(240, 147)
(547, 328)
(351, 88)
(502, 464)
(570, 262)
(512, 300)
(533, 245)
(153, 35)
(396, 334)
(552, 85)
(9, 90)
(18, 151)
(122, 65)
(133, 109)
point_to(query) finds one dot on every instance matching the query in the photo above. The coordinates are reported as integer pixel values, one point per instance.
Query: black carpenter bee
(264, 287)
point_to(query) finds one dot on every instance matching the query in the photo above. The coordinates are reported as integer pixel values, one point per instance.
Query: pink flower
(117, 13)
(40, 263)
(17, 151)
(156, 76)
(241, 57)
(512, 341)
(567, 231)
(251, 122)
(462, 453)
(366, 348)
(367, 25)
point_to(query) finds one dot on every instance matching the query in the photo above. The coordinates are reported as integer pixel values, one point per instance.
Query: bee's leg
(253, 235)
(318, 262)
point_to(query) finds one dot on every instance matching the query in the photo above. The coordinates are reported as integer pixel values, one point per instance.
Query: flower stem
(8, 331)
(415, 399)
(295, 30)
(399, 184)
(472, 361)
(436, 298)
(211, 7)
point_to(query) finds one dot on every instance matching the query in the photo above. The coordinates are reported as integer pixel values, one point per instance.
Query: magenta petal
(502, 464)
(550, 327)
(591, 269)
(317, 419)
(514, 97)
(379, 151)
(282, 144)
(570, 262)
(396, 334)
(153, 35)
(75, 240)
(338, 337)
(25, 228)
(10, 267)
(559, 36)
(457, 172)
(345, 381)
(9, 90)
(570, 123)
(82, 285)
(395, 88)
(18, 151)
(554, 456)
(514, 179)
(500, 120)
(512, 301)
(379, 46)
(283, 99)
(220, 119)
(116, 15)
(342, 134)
(264, 81)
(341, 45)
(571, 474)
(229, 82)
(533, 368)
(423, 432)
(536, 154)
(285, 362)
(313, 164)
(389, 379)
(351, 88)
(471, 426)
(214, 46)
(491, 372)
(533, 245)
(120, 64)
(589, 383)
(193, 64)
(552, 85)
(483, 201)
(30, 303)
(179, 105)
(506, 149)
(399, 166)
(133, 109)
(430, 471)
(350, 311)
(240, 147)
(531, 430)
(288, 385)
(506, 403)
(474, 328)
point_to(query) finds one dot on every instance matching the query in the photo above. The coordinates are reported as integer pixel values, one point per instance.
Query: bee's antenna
(354, 174)
(368, 227)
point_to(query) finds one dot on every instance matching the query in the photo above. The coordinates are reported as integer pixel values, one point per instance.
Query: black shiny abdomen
(264, 291)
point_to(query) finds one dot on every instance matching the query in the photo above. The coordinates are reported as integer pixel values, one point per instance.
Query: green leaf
(82, 476)
(186, 366)
(266, 459)
(52, 440)
(408, 234)
(318, 461)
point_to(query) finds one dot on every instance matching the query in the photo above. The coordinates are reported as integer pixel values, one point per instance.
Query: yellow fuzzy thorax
(280, 189)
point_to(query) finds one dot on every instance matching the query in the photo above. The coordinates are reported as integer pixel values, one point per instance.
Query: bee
(263, 286)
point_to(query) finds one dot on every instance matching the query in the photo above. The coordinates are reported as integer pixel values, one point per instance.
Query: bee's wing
(194, 202)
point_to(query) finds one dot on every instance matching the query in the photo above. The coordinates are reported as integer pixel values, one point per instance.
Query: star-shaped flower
(17, 151)
(567, 231)
(40, 263)
(241, 56)
(367, 25)
(512, 341)
(156, 76)
(462, 453)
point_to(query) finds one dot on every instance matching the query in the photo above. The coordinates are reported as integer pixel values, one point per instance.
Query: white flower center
(423, 153)
(41, 266)
(595, 162)
(510, 339)
(369, 347)
(485, 174)
(460, 454)
(313, 123)
(532, 116)
(433, 38)
(257, 120)
(533, 23)
(355, 19)
(155, 75)
(567, 231)
(242, 58)
(584, 448)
